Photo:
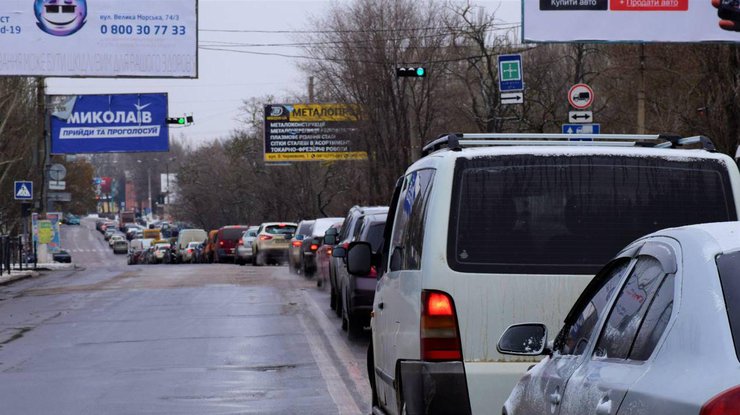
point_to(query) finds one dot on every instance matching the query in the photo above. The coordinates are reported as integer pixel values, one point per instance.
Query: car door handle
(604, 407)
(555, 398)
(380, 305)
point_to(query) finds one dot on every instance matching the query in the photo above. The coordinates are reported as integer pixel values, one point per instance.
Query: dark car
(307, 260)
(346, 236)
(62, 256)
(226, 240)
(358, 291)
(296, 245)
(323, 254)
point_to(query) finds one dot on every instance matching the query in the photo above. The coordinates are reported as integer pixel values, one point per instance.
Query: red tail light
(314, 247)
(329, 251)
(241, 241)
(265, 237)
(726, 403)
(440, 337)
(190, 250)
(373, 272)
(220, 243)
(297, 244)
(345, 245)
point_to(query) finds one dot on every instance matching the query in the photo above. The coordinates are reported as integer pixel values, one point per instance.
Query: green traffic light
(420, 71)
(181, 120)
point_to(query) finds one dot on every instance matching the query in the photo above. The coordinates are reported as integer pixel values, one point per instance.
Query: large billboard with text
(311, 132)
(99, 38)
(119, 123)
(631, 20)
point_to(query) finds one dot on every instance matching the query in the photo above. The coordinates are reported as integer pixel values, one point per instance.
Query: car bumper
(435, 388)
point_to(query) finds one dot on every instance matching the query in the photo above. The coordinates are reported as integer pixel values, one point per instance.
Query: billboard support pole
(641, 93)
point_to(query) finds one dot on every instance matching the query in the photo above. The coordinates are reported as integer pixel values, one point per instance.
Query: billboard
(99, 38)
(311, 132)
(630, 21)
(108, 123)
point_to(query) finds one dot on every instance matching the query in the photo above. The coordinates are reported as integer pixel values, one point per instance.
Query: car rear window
(729, 276)
(232, 233)
(375, 235)
(280, 230)
(564, 215)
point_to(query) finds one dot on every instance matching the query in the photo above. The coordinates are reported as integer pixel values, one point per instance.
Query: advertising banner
(630, 20)
(311, 132)
(55, 241)
(99, 38)
(109, 123)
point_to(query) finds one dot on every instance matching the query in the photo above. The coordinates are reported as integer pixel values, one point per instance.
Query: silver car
(243, 253)
(657, 331)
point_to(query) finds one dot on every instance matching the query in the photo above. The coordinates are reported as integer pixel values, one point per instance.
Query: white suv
(272, 242)
(491, 229)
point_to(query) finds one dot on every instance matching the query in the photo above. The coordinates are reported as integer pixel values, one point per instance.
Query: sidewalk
(16, 275)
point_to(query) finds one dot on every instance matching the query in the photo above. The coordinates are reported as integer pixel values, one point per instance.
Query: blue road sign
(581, 128)
(23, 190)
(510, 73)
(109, 123)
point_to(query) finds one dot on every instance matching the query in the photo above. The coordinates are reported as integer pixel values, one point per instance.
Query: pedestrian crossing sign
(23, 190)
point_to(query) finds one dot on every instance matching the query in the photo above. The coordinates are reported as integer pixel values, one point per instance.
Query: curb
(5, 280)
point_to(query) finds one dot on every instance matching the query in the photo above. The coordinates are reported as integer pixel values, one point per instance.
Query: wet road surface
(185, 339)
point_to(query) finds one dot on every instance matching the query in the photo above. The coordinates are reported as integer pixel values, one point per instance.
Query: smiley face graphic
(60, 17)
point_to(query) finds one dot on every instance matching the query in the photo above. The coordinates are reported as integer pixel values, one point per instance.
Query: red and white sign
(649, 5)
(580, 96)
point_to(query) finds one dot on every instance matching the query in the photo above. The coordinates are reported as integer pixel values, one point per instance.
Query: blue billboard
(117, 123)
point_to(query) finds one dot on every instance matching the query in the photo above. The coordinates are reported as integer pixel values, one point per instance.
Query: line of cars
(488, 232)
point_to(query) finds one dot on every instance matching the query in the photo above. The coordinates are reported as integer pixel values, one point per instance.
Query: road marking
(334, 383)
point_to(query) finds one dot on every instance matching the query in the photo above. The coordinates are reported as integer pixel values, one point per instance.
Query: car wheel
(259, 260)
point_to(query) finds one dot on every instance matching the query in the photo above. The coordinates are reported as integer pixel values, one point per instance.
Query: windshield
(231, 233)
(535, 214)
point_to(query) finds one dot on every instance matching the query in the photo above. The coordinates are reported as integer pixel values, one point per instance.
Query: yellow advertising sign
(323, 112)
(46, 233)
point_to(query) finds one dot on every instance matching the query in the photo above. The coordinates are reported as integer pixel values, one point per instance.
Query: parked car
(323, 254)
(357, 291)
(484, 233)
(210, 249)
(311, 243)
(188, 255)
(73, 220)
(271, 245)
(120, 246)
(62, 256)
(347, 235)
(665, 311)
(226, 240)
(296, 244)
(159, 253)
(184, 237)
(244, 246)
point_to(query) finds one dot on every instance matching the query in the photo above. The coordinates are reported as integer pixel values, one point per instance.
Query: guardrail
(14, 255)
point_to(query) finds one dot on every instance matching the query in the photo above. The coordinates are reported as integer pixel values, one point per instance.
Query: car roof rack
(458, 141)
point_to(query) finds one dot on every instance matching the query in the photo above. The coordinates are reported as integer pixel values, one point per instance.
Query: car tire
(258, 259)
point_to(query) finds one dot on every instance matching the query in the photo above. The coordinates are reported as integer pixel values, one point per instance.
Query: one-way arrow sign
(580, 116)
(508, 98)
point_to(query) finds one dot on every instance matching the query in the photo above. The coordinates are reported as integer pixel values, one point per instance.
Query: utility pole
(641, 93)
(40, 155)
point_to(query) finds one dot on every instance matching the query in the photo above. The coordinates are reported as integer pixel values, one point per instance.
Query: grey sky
(225, 79)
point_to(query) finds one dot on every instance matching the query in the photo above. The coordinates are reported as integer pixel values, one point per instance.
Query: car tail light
(297, 244)
(726, 403)
(190, 250)
(440, 337)
(373, 272)
(241, 241)
(220, 243)
(314, 247)
(265, 237)
(329, 251)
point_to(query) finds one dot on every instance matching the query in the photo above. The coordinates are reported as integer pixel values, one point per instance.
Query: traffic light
(184, 120)
(411, 71)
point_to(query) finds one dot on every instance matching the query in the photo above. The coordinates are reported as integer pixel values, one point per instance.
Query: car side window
(627, 314)
(576, 334)
(408, 230)
(655, 321)
(358, 228)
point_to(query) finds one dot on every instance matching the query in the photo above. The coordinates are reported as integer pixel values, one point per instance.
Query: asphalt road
(173, 339)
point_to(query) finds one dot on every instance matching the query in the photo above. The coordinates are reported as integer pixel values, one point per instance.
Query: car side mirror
(339, 252)
(359, 258)
(528, 339)
(330, 239)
